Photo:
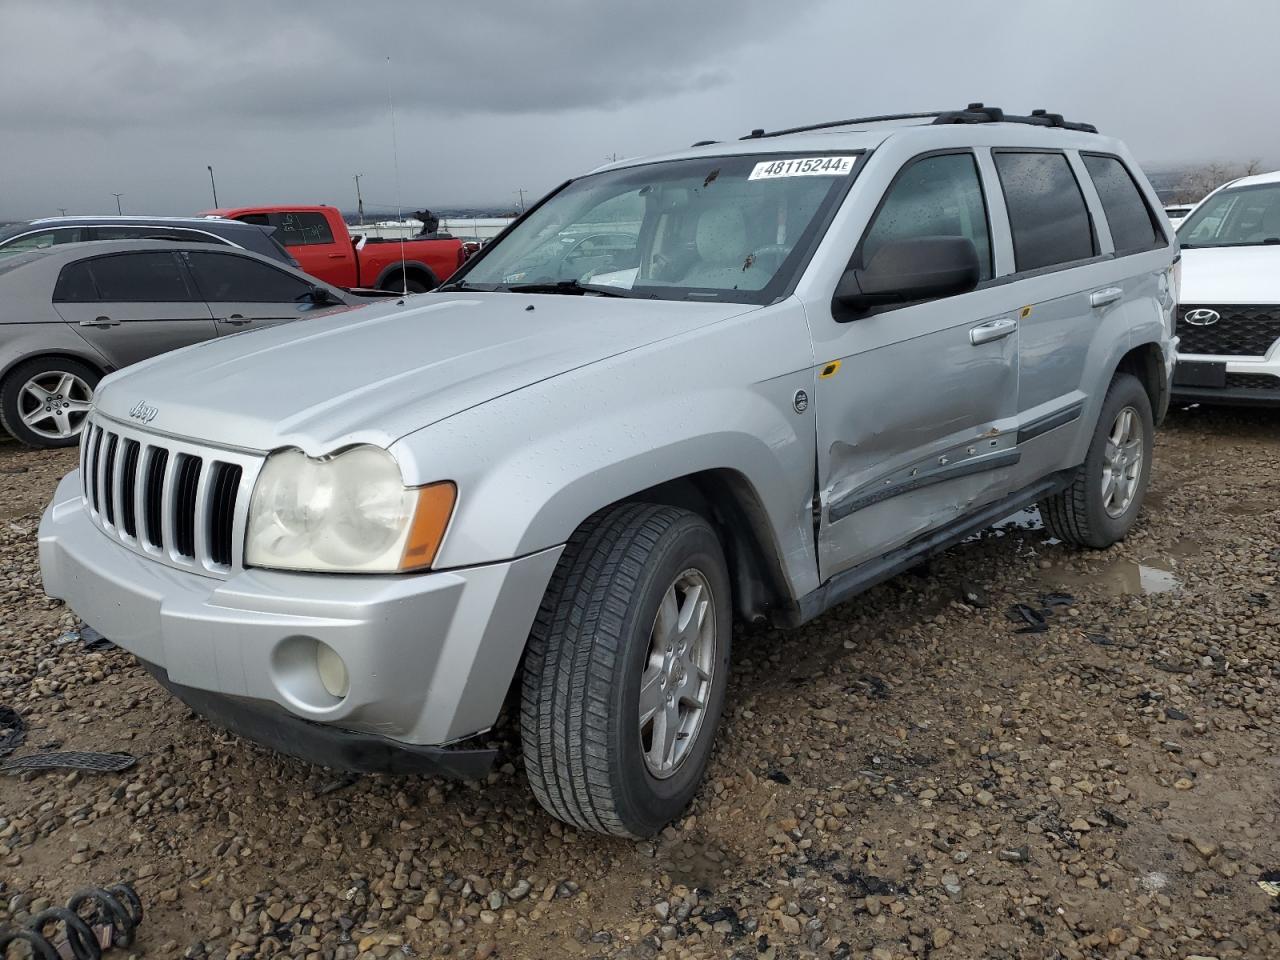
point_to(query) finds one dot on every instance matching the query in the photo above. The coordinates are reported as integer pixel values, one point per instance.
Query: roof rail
(757, 134)
(980, 113)
(973, 113)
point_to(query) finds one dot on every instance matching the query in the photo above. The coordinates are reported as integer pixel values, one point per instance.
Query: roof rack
(973, 113)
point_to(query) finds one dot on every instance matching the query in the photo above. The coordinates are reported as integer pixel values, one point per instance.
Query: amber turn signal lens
(430, 520)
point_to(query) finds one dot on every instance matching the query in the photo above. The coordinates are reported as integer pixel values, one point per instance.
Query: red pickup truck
(318, 239)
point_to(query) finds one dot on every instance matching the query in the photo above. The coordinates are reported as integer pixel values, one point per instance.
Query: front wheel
(625, 672)
(1102, 503)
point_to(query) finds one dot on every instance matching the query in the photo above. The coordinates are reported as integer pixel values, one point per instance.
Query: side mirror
(321, 296)
(922, 268)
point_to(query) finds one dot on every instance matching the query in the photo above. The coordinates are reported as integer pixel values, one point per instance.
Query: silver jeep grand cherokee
(749, 379)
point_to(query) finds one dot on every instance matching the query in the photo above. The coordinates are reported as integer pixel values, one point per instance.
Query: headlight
(349, 512)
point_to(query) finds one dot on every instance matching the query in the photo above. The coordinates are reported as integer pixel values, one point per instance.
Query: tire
(412, 285)
(64, 381)
(1090, 513)
(586, 753)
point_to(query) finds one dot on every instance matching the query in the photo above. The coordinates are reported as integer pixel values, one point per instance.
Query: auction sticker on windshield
(802, 167)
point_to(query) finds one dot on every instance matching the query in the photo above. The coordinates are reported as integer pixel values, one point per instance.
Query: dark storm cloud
(154, 63)
(287, 99)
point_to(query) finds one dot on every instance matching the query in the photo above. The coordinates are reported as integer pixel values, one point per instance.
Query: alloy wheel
(1122, 462)
(679, 667)
(54, 404)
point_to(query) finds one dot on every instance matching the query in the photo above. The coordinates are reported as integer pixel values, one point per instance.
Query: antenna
(395, 161)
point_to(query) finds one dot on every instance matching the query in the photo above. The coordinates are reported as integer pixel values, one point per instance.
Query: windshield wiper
(566, 287)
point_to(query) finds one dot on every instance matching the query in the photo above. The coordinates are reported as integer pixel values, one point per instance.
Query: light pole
(359, 198)
(118, 196)
(213, 184)
(521, 192)
(62, 211)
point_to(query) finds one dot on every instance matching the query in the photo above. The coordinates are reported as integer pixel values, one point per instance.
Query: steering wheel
(572, 252)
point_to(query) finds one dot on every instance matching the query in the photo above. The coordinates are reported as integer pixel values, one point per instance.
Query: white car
(1229, 312)
(1177, 212)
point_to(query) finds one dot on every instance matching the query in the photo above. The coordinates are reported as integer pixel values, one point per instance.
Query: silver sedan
(70, 314)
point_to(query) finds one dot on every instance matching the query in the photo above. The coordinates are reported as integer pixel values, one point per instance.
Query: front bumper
(1252, 381)
(430, 657)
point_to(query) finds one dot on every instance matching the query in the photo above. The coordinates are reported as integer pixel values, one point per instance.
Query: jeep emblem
(1202, 318)
(143, 411)
(800, 401)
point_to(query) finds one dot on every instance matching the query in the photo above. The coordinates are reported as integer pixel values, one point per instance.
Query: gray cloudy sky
(287, 99)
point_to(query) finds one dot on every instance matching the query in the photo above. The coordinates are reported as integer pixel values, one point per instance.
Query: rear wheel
(44, 402)
(626, 668)
(1102, 503)
(413, 285)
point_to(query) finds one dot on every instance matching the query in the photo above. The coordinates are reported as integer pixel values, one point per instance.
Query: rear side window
(1133, 225)
(75, 284)
(1047, 212)
(938, 196)
(302, 229)
(155, 233)
(228, 278)
(140, 278)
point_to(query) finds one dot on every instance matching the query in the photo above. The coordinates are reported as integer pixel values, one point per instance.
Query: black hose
(114, 915)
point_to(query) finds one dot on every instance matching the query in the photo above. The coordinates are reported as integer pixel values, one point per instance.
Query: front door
(131, 306)
(916, 402)
(247, 294)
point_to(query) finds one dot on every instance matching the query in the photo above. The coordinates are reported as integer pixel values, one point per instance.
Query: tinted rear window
(1133, 225)
(75, 284)
(140, 277)
(1047, 212)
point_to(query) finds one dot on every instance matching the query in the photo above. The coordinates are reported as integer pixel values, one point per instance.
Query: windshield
(1237, 217)
(717, 228)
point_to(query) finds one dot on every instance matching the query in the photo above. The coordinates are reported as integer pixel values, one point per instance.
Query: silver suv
(744, 380)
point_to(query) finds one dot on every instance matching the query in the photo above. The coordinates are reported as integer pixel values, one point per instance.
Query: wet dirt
(905, 777)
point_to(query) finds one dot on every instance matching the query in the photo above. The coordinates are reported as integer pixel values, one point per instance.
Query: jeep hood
(374, 374)
(1231, 275)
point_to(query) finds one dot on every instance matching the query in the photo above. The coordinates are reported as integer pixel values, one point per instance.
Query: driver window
(939, 196)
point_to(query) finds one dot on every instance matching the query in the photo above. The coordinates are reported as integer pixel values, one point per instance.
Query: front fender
(533, 464)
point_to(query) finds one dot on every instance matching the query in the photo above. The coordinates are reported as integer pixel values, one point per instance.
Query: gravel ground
(909, 776)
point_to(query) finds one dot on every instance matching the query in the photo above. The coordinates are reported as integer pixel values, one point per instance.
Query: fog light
(333, 672)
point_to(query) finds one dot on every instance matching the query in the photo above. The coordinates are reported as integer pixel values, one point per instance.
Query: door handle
(236, 320)
(994, 330)
(337, 256)
(100, 322)
(1100, 298)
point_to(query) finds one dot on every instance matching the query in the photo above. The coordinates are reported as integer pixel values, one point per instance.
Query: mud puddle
(1120, 577)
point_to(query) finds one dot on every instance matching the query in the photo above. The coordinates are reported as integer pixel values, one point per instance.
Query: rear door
(246, 294)
(914, 401)
(131, 306)
(1062, 273)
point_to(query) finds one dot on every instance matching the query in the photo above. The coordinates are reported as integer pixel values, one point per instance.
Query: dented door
(917, 403)
(916, 422)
